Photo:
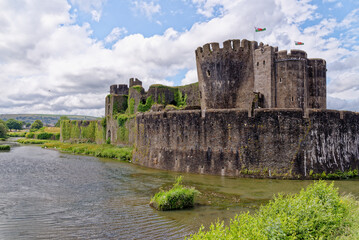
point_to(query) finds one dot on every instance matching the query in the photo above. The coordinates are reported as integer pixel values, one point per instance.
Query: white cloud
(147, 8)
(93, 7)
(60, 68)
(115, 34)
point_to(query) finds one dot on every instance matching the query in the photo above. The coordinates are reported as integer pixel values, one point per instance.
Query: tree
(3, 130)
(13, 124)
(28, 125)
(59, 121)
(37, 125)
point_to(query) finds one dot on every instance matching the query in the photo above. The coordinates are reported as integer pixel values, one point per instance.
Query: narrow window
(257, 64)
(208, 73)
(280, 80)
(292, 99)
(264, 63)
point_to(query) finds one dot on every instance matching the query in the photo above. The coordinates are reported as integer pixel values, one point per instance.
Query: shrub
(30, 135)
(16, 134)
(44, 135)
(4, 147)
(315, 213)
(178, 197)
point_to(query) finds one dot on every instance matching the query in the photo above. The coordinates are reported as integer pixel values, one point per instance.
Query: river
(45, 194)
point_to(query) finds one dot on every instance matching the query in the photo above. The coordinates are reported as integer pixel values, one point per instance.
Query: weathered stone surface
(275, 142)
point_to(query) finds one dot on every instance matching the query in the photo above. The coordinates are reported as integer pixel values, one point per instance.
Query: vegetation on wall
(147, 106)
(89, 131)
(335, 175)
(318, 212)
(118, 107)
(131, 106)
(61, 119)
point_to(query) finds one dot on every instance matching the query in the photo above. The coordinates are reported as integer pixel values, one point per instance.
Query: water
(45, 194)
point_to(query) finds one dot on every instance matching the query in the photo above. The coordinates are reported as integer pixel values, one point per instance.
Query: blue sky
(68, 52)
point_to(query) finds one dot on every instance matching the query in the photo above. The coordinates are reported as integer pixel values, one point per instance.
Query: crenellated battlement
(235, 45)
(120, 89)
(294, 54)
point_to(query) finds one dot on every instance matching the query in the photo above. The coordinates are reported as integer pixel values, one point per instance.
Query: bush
(178, 197)
(4, 147)
(30, 135)
(16, 134)
(315, 213)
(44, 135)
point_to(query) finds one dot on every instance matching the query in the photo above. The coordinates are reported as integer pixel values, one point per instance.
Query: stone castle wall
(275, 142)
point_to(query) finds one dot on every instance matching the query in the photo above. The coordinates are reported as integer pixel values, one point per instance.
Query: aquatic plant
(4, 147)
(318, 212)
(178, 197)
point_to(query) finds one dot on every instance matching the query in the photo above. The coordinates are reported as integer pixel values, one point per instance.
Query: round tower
(225, 75)
(291, 79)
(317, 91)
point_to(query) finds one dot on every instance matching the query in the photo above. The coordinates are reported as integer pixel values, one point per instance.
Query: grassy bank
(179, 197)
(97, 150)
(318, 212)
(32, 141)
(4, 147)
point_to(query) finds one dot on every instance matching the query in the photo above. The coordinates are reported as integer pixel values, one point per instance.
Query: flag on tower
(299, 43)
(259, 29)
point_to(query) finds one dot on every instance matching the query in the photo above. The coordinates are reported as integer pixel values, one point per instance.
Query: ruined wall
(225, 75)
(275, 142)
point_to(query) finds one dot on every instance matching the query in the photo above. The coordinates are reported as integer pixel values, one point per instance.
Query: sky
(61, 56)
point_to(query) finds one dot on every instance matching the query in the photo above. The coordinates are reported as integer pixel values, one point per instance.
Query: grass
(16, 134)
(179, 197)
(97, 150)
(317, 212)
(32, 141)
(4, 147)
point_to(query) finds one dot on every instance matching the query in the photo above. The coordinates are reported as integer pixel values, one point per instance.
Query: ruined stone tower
(230, 77)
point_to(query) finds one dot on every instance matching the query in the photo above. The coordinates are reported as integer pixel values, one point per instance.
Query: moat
(46, 194)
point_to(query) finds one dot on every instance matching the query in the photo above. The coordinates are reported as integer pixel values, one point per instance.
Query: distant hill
(47, 119)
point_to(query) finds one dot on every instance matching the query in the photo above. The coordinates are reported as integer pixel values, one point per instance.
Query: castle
(255, 111)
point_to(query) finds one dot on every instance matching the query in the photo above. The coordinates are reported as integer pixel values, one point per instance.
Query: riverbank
(97, 150)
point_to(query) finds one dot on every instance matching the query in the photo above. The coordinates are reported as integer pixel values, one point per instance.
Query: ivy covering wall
(82, 131)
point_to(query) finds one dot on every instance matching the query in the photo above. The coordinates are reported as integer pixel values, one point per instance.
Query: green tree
(28, 125)
(3, 130)
(59, 121)
(13, 124)
(3, 122)
(37, 125)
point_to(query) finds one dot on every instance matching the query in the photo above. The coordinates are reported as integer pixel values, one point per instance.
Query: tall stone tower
(225, 75)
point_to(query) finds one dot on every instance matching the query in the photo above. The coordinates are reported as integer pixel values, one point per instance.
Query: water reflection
(45, 194)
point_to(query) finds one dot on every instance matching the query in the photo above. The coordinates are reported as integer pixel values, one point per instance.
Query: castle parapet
(135, 82)
(121, 89)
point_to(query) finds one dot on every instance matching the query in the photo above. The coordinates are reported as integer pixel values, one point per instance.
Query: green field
(47, 119)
